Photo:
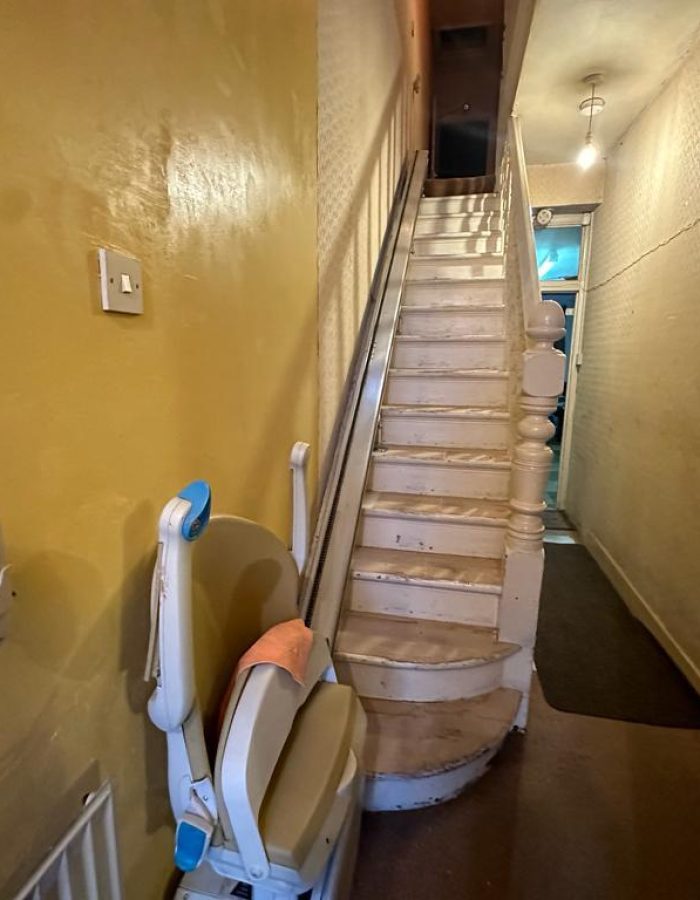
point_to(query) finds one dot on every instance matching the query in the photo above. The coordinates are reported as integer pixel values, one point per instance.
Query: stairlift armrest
(300, 506)
(265, 713)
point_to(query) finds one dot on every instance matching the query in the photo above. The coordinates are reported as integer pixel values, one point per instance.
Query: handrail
(542, 378)
(322, 594)
(522, 218)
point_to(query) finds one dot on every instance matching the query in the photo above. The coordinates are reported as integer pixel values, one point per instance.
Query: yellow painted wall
(369, 53)
(635, 471)
(184, 134)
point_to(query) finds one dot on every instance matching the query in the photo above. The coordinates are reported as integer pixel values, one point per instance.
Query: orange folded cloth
(286, 645)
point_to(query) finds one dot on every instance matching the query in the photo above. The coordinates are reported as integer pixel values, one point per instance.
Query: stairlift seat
(279, 811)
(305, 781)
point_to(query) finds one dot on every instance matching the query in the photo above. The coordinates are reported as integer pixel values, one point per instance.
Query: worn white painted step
(453, 320)
(442, 588)
(462, 526)
(461, 266)
(482, 292)
(479, 351)
(463, 223)
(394, 658)
(464, 203)
(445, 426)
(448, 387)
(444, 471)
(419, 754)
(456, 244)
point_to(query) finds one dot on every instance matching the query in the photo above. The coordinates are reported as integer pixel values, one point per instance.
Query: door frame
(561, 219)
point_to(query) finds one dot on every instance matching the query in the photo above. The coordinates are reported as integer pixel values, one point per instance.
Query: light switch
(120, 282)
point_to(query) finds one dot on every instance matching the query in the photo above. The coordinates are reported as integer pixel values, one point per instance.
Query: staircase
(419, 636)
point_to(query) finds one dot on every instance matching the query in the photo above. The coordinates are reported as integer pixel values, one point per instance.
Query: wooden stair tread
(415, 739)
(470, 309)
(457, 235)
(481, 282)
(480, 374)
(444, 456)
(423, 506)
(448, 412)
(463, 214)
(416, 643)
(483, 195)
(445, 338)
(472, 256)
(432, 569)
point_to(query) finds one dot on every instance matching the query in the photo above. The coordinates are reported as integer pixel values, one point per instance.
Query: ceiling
(636, 45)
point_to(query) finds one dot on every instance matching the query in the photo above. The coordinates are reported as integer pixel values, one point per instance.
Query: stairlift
(266, 790)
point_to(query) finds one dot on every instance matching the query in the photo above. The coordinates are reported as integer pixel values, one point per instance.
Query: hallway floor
(578, 808)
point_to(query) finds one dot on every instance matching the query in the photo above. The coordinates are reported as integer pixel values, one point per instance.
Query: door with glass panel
(562, 262)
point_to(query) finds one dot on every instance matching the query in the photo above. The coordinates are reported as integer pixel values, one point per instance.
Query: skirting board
(639, 607)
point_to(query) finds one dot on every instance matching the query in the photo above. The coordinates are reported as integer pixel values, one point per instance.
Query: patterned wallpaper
(364, 106)
(565, 184)
(635, 477)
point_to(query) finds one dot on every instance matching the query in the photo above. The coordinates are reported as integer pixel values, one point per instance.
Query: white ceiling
(637, 44)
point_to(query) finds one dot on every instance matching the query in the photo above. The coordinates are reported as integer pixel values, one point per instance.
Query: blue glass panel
(558, 252)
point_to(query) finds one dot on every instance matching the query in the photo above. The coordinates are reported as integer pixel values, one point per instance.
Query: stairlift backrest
(244, 581)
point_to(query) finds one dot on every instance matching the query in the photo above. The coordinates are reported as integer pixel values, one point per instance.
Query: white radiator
(84, 865)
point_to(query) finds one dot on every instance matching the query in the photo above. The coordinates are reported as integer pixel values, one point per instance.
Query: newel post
(543, 381)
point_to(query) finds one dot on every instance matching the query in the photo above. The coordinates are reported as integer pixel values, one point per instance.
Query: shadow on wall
(346, 268)
(73, 658)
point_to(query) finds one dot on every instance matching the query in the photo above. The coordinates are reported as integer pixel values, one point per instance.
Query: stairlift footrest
(192, 839)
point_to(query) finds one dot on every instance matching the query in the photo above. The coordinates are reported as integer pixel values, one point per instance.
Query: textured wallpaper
(565, 184)
(635, 477)
(364, 110)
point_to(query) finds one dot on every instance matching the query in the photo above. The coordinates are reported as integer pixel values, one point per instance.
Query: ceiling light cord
(589, 135)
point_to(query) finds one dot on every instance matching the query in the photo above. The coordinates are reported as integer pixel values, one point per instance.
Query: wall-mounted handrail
(332, 547)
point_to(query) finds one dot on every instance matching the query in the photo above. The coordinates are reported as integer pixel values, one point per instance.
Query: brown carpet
(577, 809)
(594, 658)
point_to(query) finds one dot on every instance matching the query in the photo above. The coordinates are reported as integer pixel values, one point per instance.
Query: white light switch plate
(120, 282)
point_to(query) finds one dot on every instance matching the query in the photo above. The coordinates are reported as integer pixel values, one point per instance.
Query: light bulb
(588, 154)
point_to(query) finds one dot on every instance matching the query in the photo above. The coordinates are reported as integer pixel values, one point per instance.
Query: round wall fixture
(543, 217)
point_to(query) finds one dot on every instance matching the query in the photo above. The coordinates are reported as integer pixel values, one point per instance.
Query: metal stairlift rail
(332, 545)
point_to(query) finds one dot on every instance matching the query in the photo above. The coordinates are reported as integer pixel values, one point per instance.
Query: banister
(522, 219)
(541, 381)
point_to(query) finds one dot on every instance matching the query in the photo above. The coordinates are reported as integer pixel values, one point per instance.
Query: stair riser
(465, 204)
(459, 224)
(414, 431)
(432, 294)
(432, 536)
(387, 682)
(384, 793)
(452, 322)
(434, 270)
(418, 601)
(449, 355)
(435, 390)
(441, 246)
(442, 481)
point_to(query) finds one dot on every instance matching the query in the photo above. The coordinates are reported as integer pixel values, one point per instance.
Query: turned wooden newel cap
(546, 322)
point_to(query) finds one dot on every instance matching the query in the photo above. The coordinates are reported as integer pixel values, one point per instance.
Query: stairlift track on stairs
(408, 583)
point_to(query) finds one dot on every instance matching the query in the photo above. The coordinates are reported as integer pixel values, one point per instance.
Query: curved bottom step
(421, 754)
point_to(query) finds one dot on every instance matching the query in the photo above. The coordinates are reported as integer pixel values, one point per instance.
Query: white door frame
(579, 287)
